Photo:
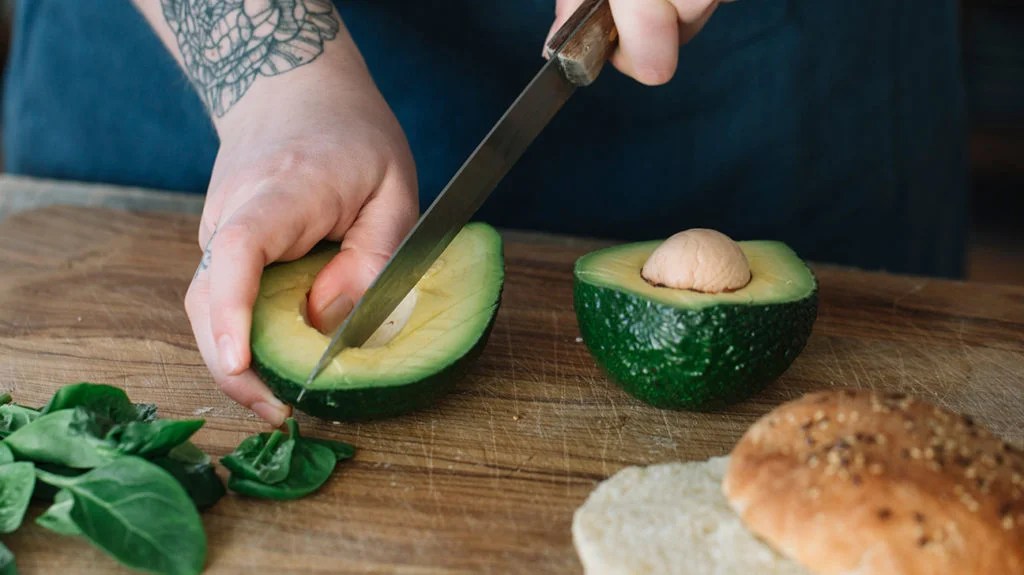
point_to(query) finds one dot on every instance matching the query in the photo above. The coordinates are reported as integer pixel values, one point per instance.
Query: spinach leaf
(311, 466)
(108, 403)
(264, 457)
(13, 417)
(58, 517)
(58, 437)
(342, 450)
(139, 514)
(6, 456)
(145, 412)
(154, 438)
(7, 566)
(16, 483)
(195, 472)
(6, 398)
(46, 493)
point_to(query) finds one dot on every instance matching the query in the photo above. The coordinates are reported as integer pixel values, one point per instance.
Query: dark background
(993, 59)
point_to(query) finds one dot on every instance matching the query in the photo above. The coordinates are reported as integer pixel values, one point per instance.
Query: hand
(333, 164)
(650, 33)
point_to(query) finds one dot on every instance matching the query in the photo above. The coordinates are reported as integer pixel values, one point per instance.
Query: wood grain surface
(487, 481)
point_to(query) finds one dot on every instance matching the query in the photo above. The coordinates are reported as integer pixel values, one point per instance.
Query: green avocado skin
(370, 403)
(697, 360)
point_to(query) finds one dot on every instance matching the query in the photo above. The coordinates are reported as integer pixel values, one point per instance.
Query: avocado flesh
(456, 303)
(680, 349)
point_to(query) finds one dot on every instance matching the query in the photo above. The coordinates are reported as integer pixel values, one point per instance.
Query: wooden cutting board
(488, 480)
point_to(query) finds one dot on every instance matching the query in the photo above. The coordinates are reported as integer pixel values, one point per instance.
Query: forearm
(248, 57)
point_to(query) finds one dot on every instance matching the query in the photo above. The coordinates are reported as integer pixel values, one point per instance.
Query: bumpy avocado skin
(698, 360)
(370, 403)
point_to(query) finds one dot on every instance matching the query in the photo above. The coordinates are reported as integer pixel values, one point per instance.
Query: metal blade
(453, 208)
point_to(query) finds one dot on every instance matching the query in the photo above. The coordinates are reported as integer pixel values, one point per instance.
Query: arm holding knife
(309, 150)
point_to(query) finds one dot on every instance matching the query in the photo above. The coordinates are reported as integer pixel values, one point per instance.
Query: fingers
(245, 388)
(648, 40)
(650, 33)
(219, 303)
(375, 235)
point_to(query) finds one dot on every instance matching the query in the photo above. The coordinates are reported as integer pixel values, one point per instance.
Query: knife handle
(584, 42)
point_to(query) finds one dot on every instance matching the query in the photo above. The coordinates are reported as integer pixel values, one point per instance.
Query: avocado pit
(700, 260)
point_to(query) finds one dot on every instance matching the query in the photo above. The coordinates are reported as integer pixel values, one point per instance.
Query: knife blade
(576, 54)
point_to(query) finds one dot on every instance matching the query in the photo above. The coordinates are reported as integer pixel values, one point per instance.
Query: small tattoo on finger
(207, 256)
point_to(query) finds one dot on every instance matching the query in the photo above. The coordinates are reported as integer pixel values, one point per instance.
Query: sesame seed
(819, 415)
(875, 469)
(908, 425)
(841, 417)
(929, 453)
(881, 439)
(854, 416)
(814, 492)
(971, 473)
(1007, 523)
(915, 453)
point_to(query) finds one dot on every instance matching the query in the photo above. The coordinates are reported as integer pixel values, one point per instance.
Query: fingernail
(335, 312)
(229, 357)
(271, 410)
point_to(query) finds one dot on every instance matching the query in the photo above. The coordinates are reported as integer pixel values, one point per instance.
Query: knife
(576, 53)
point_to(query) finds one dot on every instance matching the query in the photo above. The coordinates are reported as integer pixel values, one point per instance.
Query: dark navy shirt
(838, 127)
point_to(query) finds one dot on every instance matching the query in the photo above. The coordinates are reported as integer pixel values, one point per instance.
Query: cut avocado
(681, 349)
(447, 320)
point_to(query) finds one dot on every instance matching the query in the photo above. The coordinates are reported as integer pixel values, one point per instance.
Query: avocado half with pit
(683, 349)
(412, 360)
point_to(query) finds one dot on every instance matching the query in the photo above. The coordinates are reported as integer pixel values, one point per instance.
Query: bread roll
(666, 519)
(862, 483)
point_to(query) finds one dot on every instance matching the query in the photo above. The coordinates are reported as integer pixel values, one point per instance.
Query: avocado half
(681, 349)
(447, 325)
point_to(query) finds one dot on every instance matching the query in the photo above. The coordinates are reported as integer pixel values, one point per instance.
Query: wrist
(286, 100)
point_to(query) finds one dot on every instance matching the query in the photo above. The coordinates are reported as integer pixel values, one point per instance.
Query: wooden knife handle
(584, 42)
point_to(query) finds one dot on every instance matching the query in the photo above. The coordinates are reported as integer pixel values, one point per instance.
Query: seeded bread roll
(669, 519)
(857, 483)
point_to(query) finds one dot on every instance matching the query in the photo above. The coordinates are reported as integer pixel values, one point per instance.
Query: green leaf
(154, 438)
(139, 514)
(58, 517)
(145, 412)
(7, 566)
(107, 401)
(311, 466)
(6, 455)
(13, 417)
(195, 472)
(342, 450)
(16, 483)
(264, 457)
(6, 398)
(57, 438)
(45, 492)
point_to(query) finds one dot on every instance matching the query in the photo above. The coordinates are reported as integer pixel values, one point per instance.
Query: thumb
(366, 248)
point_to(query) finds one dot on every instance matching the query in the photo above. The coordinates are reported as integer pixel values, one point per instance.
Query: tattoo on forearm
(227, 44)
